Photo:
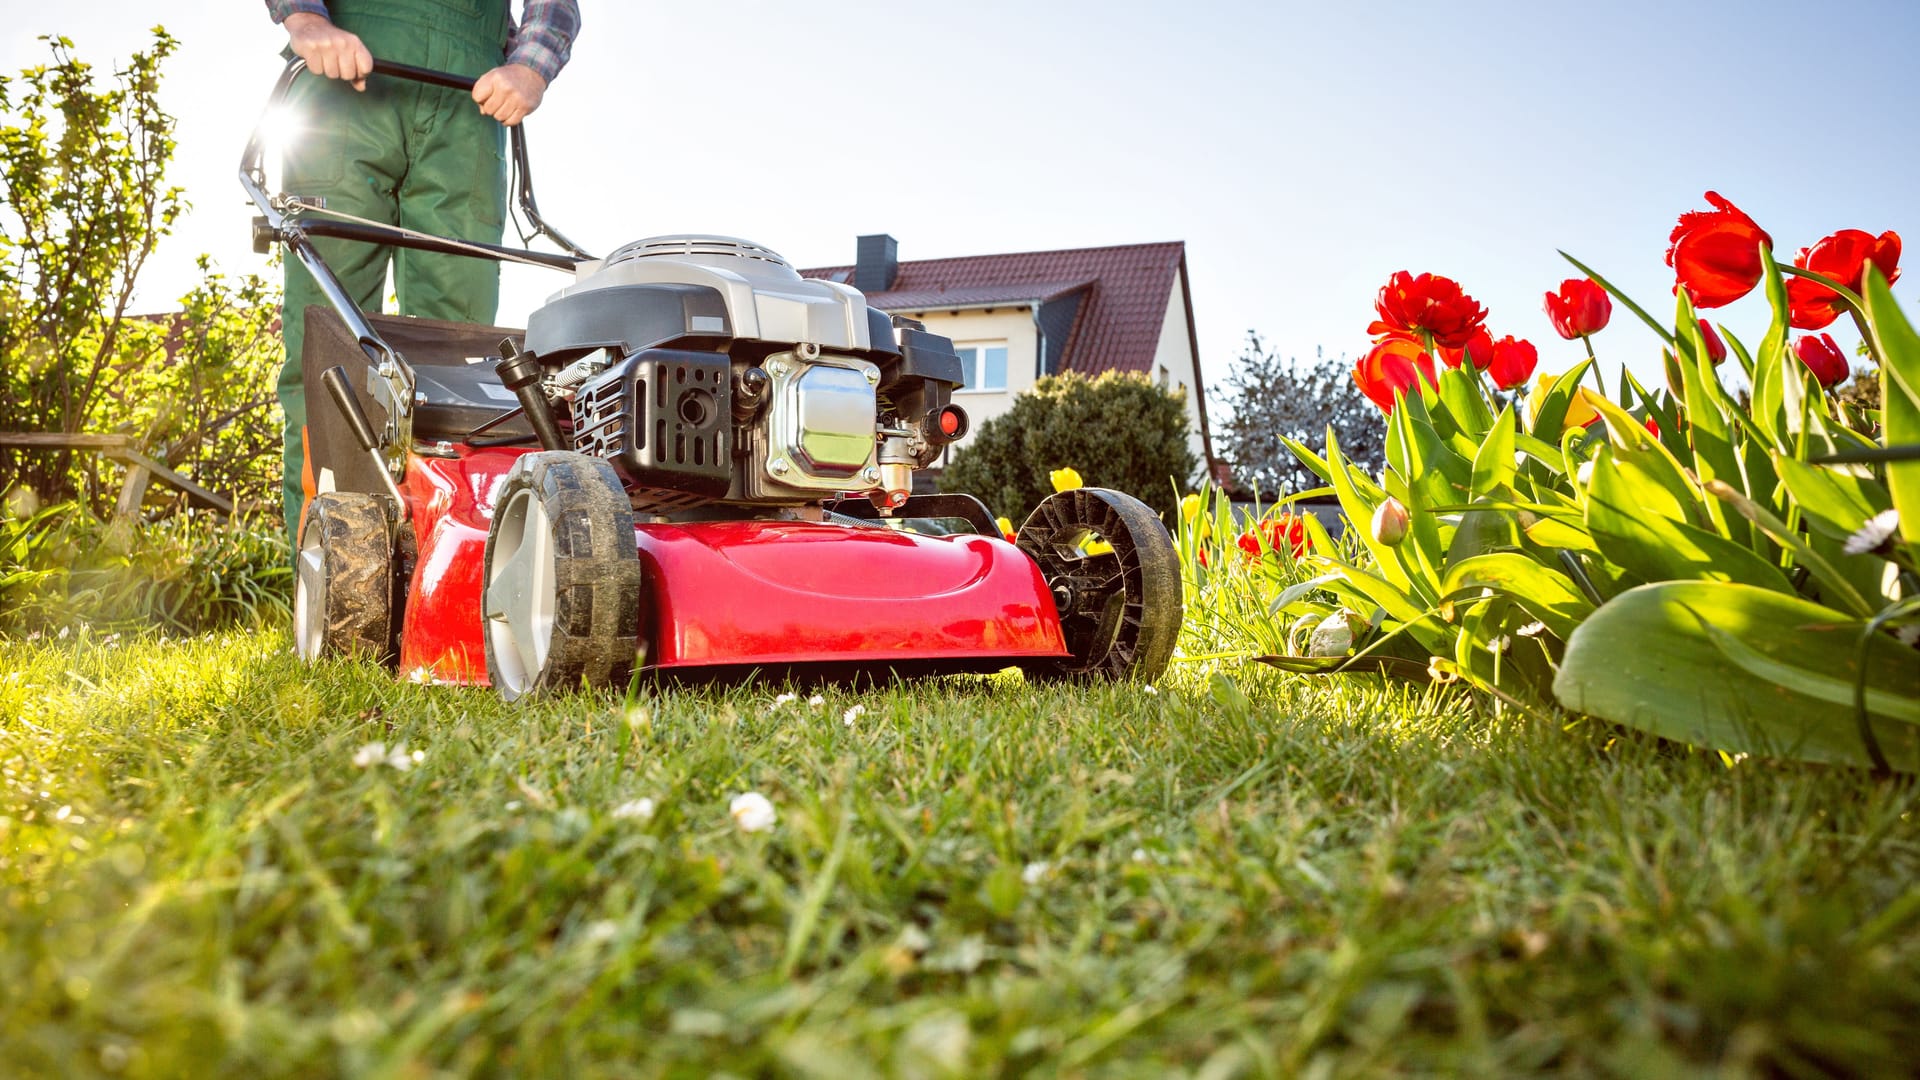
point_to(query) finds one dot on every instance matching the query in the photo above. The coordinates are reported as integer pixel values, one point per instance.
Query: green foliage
(1118, 430)
(83, 169)
(1729, 580)
(1269, 401)
(1237, 876)
(63, 569)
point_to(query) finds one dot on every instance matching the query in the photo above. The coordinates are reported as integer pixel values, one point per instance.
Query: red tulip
(1843, 257)
(1393, 364)
(1715, 254)
(1581, 307)
(1285, 532)
(1829, 364)
(1429, 306)
(1478, 350)
(1716, 349)
(1513, 362)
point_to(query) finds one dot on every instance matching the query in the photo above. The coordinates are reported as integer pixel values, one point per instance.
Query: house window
(984, 364)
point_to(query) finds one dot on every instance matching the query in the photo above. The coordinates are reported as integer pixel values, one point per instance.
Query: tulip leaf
(1363, 664)
(1359, 510)
(1545, 594)
(1707, 409)
(1485, 527)
(1623, 513)
(1835, 586)
(1299, 590)
(1550, 411)
(1899, 349)
(1770, 363)
(1831, 501)
(1460, 392)
(1313, 461)
(1743, 670)
(1634, 445)
(1626, 300)
(1494, 466)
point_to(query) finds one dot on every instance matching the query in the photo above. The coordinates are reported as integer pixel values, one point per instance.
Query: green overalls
(403, 153)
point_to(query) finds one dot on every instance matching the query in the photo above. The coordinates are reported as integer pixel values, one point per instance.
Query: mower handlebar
(423, 75)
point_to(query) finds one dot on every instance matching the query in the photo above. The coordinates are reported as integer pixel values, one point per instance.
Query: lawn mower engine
(722, 484)
(708, 371)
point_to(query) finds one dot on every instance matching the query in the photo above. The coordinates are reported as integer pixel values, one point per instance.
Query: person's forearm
(280, 9)
(544, 40)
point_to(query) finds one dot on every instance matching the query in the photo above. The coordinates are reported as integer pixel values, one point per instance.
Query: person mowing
(407, 154)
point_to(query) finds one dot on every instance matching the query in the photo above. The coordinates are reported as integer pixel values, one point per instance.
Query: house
(1016, 317)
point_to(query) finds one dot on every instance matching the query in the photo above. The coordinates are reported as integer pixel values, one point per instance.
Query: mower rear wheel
(1115, 579)
(343, 584)
(562, 580)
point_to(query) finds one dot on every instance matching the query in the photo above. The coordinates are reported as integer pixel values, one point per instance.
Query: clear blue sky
(1303, 151)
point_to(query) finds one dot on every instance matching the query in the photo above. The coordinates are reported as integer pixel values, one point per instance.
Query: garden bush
(83, 204)
(1118, 430)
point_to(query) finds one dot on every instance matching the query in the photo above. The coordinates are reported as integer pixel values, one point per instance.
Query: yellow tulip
(1065, 479)
(1006, 527)
(1190, 507)
(1580, 410)
(1096, 547)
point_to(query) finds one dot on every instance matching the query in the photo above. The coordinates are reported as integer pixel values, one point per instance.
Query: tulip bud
(1190, 507)
(1390, 522)
(1064, 479)
(1006, 528)
(1332, 637)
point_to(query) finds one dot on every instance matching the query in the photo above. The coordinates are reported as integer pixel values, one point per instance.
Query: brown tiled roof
(1127, 289)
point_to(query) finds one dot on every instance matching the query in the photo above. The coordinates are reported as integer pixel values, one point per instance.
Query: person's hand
(509, 92)
(327, 49)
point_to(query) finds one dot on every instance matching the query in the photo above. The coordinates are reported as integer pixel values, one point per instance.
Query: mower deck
(726, 595)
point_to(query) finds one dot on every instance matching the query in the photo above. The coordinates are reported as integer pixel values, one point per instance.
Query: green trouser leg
(401, 154)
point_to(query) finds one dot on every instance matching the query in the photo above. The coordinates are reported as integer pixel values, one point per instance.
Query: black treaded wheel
(343, 581)
(1120, 610)
(562, 584)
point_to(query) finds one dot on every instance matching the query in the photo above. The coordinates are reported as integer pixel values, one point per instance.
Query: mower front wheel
(562, 579)
(1115, 579)
(343, 582)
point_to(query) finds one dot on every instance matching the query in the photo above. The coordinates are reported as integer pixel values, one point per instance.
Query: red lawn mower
(692, 461)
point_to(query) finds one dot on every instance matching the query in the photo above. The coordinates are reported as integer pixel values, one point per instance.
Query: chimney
(877, 265)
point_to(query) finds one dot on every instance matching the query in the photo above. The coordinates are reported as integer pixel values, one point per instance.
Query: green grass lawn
(970, 877)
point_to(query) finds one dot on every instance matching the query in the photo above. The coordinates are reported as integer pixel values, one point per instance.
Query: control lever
(335, 380)
(521, 374)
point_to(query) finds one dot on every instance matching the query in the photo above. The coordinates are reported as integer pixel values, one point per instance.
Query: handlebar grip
(423, 75)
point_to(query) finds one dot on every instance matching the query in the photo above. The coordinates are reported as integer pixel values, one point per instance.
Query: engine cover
(662, 416)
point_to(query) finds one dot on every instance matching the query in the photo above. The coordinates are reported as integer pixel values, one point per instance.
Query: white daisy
(637, 809)
(370, 755)
(1878, 529)
(853, 714)
(1532, 629)
(816, 701)
(1035, 873)
(752, 812)
(785, 699)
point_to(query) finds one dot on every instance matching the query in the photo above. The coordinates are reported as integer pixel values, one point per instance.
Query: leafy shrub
(187, 574)
(83, 203)
(1118, 430)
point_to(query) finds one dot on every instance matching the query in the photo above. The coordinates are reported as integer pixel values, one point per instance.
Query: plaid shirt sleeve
(280, 9)
(544, 39)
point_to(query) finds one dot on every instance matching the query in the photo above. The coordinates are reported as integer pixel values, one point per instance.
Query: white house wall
(1175, 354)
